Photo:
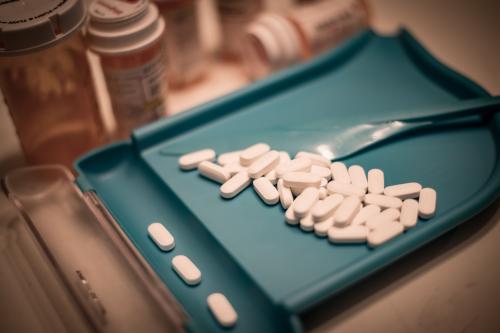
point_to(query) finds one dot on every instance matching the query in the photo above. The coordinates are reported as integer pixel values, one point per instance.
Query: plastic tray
(271, 272)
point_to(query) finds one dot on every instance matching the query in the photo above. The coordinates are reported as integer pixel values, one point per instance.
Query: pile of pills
(347, 205)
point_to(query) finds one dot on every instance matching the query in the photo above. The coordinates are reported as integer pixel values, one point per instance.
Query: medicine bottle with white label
(275, 41)
(128, 37)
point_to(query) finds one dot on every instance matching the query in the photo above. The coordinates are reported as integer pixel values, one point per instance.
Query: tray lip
(299, 301)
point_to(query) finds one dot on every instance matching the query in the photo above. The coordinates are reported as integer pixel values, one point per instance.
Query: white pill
(235, 185)
(350, 234)
(214, 172)
(344, 189)
(427, 203)
(301, 179)
(409, 213)
(376, 181)
(161, 236)
(316, 159)
(186, 269)
(347, 210)
(388, 215)
(298, 164)
(403, 191)
(323, 193)
(383, 201)
(326, 208)
(296, 191)
(234, 168)
(358, 177)
(304, 202)
(252, 153)
(339, 173)
(385, 233)
(365, 213)
(284, 157)
(192, 160)
(222, 310)
(272, 176)
(230, 157)
(286, 197)
(321, 228)
(264, 164)
(324, 182)
(290, 216)
(307, 223)
(321, 171)
(266, 191)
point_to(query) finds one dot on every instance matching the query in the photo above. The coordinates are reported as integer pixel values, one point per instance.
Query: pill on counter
(266, 191)
(286, 196)
(272, 176)
(300, 179)
(383, 201)
(381, 235)
(427, 203)
(340, 173)
(307, 223)
(298, 164)
(325, 208)
(290, 216)
(344, 189)
(321, 228)
(316, 159)
(186, 269)
(304, 202)
(388, 215)
(409, 213)
(321, 171)
(192, 160)
(376, 181)
(323, 193)
(265, 163)
(222, 310)
(235, 185)
(365, 213)
(403, 191)
(234, 168)
(358, 177)
(350, 234)
(161, 236)
(252, 153)
(347, 210)
(214, 172)
(230, 157)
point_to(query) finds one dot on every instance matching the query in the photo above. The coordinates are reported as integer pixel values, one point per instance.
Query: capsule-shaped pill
(222, 310)
(214, 172)
(264, 164)
(304, 202)
(321, 171)
(365, 213)
(235, 185)
(325, 208)
(383, 201)
(161, 236)
(350, 234)
(347, 210)
(316, 159)
(321, 228)
(388, 215)
(344, 189)
(229, 157)
(409, 213)
(340, 173)
(387, 232)
(301, 179)
(286, 197)
(403, 191)
(306, 223)
(192, 160)
(358, 177)
(290, 216)
(234, 168)
(252, 153)
(186, 269)
(376, 181)
(266, 191)
(427, 203)
(298, 164)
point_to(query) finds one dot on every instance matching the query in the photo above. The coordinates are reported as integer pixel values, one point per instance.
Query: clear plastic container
(128, 38)
(186, 60)
(275, 41)
(46, 81)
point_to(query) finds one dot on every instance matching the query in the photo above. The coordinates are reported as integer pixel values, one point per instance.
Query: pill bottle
(127, 35)
(277, 40)
(186, 61)
(46, 81)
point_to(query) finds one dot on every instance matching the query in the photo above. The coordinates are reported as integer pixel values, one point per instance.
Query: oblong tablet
(347, 210)
(192, 160)
(214, 172)
(409, 213)
(266, 191)
(272, 176)
(325, 208)
(186, 269)
(358, 177)
(234, 167)
(383, 201)
(290, 216)
(286, 197)
(298, 164)
(365, 213)
(304, 202)
(344, 189)
(323, 172)
(161, 236)
(307, 223)
(301, 179)
(388, 215)
(264, 164)
(381, 235)
(350, 234)
(403, 191)
(235, 185)
(321, 228)
(316, 159)
(427, 203)
(229, 157)
(339, 173)
(376, 181)
(222, 310)
(252, 153)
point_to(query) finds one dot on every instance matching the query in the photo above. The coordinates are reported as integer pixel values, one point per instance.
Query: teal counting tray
(271, 272)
